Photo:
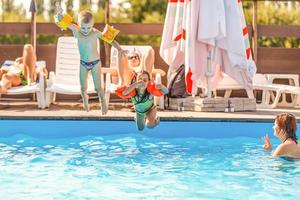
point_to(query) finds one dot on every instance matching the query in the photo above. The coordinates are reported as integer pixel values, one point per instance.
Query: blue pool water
(111, 160)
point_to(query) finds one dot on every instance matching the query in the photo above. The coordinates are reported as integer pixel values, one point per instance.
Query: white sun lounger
(293, 80)
(228, 84)
(65, 80)
(261, 82)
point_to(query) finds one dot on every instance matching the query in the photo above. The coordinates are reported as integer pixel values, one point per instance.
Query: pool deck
(119, 111)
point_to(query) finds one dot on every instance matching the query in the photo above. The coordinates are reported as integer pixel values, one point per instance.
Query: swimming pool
(111, 160)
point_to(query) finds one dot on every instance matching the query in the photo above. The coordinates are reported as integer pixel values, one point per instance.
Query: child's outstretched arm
(65, 21)
(162, 88)
(75, 29)
(116, 45)
(71, 26)
(99, 33)
(113, 43)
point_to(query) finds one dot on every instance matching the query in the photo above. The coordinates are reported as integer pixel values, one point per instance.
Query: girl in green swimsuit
(143, 100)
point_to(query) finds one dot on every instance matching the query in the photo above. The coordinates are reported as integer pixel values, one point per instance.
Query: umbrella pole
(107, 21)
(211, 57)
(33, 9)
(208, 75)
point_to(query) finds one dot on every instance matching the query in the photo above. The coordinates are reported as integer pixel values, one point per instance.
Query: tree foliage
(70, 7)
(275, 13)
(146, 10)
(40, 7)
(9, 10)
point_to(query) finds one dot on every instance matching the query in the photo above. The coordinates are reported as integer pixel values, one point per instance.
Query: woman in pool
(141, 93)
(285, 127)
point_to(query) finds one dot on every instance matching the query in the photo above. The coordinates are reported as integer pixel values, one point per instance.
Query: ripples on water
(138, 167)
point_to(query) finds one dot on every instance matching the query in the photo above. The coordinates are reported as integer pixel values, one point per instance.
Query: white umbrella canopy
(196, 28)
(171, 49)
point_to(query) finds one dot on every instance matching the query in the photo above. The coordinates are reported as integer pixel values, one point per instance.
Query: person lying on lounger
(285, 127)
(22, 72)
(141, 93)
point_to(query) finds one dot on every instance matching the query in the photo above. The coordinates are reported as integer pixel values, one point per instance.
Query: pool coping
(122, 118)
(74, 111)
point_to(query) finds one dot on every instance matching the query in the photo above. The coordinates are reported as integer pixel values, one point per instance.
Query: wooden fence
(269, 59)
(48, 52)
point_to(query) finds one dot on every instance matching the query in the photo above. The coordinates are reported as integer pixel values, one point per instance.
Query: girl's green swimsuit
(23, 79)
(143, 104)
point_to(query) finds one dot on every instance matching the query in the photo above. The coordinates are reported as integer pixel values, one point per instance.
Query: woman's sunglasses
(133, 57)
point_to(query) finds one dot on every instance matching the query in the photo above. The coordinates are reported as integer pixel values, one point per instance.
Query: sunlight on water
(138, 167)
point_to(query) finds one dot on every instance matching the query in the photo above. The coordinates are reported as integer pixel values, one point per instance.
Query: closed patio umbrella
(197, 29)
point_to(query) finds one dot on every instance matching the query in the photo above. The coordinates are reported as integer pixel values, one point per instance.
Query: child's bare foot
(3, 90)
(157, 121)
(104, 108)
(152, 125)
(86, 107)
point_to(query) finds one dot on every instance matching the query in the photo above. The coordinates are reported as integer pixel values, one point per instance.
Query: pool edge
(122, 118)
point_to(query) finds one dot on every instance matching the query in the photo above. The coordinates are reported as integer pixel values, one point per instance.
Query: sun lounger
(228, 84)
(65, 79)
(261, 82)
(293, 80)
(37, 88)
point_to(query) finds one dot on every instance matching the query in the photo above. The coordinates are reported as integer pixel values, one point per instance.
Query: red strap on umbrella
(189, 82)
(176, 1)
(180, 36)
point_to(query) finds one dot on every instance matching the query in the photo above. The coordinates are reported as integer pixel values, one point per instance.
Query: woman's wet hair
(287, 124)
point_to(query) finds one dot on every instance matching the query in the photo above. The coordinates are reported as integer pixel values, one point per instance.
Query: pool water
(140, 166)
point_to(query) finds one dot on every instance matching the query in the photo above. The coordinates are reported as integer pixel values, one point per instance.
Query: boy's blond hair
(85, 16)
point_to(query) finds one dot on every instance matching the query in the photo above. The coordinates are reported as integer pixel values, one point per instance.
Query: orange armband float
(109, 34)
(64, 22)
(119, 92)
(153, 90)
